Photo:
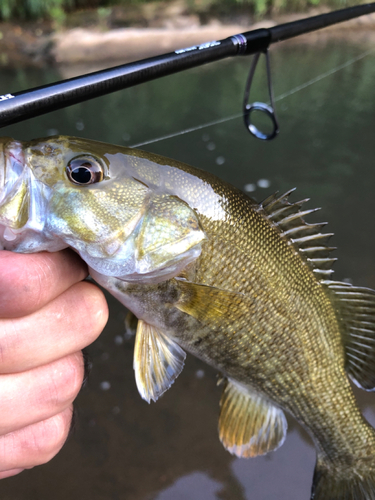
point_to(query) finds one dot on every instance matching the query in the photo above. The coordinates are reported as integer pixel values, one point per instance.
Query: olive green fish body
(278, 333)
(244, 286)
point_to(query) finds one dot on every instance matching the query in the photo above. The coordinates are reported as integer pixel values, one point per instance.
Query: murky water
(123, 447)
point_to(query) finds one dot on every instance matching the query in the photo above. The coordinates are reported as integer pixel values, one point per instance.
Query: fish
(244, 286)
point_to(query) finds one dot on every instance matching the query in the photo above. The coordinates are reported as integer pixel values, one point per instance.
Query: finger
(66, 325)
(39, 394)
(28, 282)
(10, 473)
(33, 445)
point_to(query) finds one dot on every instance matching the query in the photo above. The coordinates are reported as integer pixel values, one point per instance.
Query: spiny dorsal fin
(158, 361)
(249, 425)
(306, 238)
(356, 311)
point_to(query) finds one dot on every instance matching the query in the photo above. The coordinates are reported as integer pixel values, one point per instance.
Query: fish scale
(244, 286)
(208, 274)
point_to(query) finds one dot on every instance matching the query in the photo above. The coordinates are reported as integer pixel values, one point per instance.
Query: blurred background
(126, 13)
(323, 82)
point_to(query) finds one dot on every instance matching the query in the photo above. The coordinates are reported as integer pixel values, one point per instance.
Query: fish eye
(84, 170)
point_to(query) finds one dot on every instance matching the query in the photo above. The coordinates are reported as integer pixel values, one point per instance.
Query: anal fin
(158, 361)
(249, 425)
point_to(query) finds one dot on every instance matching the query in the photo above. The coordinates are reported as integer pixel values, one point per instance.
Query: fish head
(62, 191)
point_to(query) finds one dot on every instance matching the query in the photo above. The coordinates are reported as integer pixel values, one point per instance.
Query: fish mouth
(23, 200)
(12, 164)
(16, 158)
(9, 234)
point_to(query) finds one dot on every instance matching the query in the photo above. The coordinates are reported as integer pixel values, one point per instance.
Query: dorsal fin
(356, 312)
(306, 238)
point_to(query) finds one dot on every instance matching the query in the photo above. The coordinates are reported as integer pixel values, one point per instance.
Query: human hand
(47, 315)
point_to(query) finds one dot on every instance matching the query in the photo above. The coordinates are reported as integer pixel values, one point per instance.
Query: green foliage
(56, 9)
(33, 9)
(262, 7)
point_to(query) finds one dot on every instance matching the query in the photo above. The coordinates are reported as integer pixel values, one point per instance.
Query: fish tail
(356, 482)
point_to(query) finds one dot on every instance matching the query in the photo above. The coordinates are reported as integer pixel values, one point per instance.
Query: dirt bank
(41, 43)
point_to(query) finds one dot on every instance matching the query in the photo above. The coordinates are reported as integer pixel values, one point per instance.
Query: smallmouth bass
(244, 286)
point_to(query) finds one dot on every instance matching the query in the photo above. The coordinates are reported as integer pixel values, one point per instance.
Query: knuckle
(94, 310)
(65, 380)
(30, 281)
(35, 444)
(21, 287)
(47, 437)
(3, 350)
(9, 340)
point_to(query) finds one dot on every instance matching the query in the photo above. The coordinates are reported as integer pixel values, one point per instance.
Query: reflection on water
(196, 485)
(272, 477)
(125, 448)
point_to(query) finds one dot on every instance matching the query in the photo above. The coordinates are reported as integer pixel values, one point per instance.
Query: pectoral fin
(158, 361)
(249, 425)
(208, 303)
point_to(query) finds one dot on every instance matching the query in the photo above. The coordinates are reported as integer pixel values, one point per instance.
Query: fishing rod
(19, 106)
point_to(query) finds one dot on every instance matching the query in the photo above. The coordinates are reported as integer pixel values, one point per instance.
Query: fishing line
(20, 106)
(324, 75)
(276, 99)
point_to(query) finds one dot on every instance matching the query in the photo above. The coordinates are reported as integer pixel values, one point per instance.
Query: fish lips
(12, 164)
(23, 200)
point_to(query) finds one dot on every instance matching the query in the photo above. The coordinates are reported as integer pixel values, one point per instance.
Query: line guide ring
(268, 109)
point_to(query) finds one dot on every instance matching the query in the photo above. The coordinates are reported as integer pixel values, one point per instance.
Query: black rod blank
(34, 102)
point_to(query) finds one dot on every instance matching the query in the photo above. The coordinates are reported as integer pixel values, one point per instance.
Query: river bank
(93, 39)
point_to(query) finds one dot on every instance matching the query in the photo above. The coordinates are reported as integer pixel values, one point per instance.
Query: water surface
(123, 447)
